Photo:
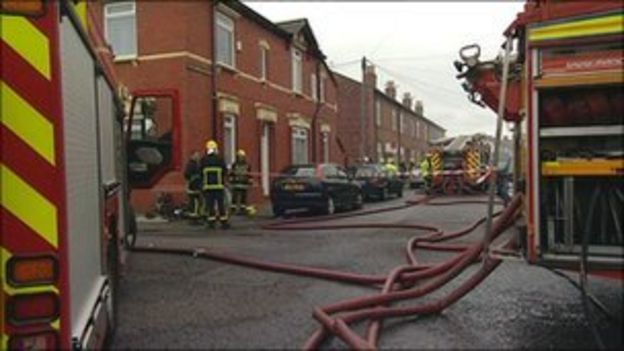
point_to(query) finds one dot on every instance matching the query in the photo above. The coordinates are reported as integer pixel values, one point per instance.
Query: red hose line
(381, 312)
(394, 284)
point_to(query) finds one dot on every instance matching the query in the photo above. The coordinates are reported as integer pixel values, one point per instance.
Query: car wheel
(330, 207)
(278, 211)
(400, 193)
(384, 194)
(359, 201)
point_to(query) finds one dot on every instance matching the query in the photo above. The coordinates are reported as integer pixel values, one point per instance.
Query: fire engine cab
(565, 99)
(63, 199)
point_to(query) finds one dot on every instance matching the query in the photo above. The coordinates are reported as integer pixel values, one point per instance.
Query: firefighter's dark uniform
(213, 187)
(239, 181)
(193, 176)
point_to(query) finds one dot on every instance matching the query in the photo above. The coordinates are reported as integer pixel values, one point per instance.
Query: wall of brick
(176, 55)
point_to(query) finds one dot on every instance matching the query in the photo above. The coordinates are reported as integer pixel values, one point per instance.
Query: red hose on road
(397, 285)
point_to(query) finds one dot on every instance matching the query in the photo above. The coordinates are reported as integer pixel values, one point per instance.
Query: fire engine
(563, 76)
(460, 164)
(63, 196)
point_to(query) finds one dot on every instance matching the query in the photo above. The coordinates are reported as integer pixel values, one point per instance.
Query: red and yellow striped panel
(32, 181)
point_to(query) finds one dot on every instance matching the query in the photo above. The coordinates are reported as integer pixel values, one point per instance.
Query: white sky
(413, 43)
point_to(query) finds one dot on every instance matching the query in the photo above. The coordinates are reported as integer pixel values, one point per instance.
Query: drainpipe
(317, 110)
(213, 71)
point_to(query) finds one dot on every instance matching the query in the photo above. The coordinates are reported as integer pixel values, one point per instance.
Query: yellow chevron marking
(25, 121)
(25, 203)
(585, 27)
(28, 41)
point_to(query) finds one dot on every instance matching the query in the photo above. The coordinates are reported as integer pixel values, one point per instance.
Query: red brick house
(269, 93)
(379, 126)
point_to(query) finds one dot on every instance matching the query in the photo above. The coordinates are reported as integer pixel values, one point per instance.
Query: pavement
(181, 302)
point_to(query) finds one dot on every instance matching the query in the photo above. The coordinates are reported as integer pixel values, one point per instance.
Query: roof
(285, 29)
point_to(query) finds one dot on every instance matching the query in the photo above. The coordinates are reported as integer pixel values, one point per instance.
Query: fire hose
(399, 284)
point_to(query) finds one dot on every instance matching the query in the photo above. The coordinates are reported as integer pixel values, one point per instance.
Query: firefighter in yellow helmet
(240, 182)
(426, 172)
(214, 174)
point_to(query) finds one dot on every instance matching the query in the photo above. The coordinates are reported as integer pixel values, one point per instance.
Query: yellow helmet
(211, 144)
(241, 153)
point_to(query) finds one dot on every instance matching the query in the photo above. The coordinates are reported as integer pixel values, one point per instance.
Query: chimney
(407, 100)
(391, 89)
(370, 77)
(419, 108)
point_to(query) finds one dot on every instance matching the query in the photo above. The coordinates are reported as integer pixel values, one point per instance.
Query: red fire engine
(564, 95)
(63, 199)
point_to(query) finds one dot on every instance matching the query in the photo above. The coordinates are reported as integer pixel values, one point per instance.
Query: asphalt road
(181, 302)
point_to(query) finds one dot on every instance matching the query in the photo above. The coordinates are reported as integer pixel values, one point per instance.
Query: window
(264, 63)
(299, 146)
(297, 70)
(120, 28)
(394, 119)
(380, 154)
(229, 138)
(330, 171)
(401, 121)
(313, 87)
(417, 128)
(377, 113)
(225, 40)
(325, 140)
(425, 136)
(322, 88)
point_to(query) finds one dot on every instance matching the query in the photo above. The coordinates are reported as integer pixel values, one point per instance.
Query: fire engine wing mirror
(149, 155)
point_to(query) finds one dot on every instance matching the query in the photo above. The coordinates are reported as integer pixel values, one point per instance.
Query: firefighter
(193, 176)
(239, 183)
(425, 172)
(214, 174)
(391, 168)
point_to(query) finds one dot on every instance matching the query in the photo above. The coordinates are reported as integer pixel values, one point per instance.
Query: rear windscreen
(299, 172)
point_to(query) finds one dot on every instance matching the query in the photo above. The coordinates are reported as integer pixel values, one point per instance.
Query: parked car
(322, 188)
(376, 182)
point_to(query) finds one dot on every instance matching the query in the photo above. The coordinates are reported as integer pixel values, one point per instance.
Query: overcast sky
(412, 43)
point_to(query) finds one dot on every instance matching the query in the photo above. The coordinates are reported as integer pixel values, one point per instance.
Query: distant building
(276, 97)
(388, 128)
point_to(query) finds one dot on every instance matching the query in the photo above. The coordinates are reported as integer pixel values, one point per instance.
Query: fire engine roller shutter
(82, 176)
(106, 115)
(31, 164)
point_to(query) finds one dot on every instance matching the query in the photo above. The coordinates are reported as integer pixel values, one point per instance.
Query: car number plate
(293, 187)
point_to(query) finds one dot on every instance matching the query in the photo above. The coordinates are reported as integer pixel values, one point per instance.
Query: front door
(265, 166)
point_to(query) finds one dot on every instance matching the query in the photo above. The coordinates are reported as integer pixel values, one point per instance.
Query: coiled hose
(399, 284)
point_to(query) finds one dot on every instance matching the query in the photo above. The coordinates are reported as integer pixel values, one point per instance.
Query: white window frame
(297, 70)
(225, 22)
(322, 87)
(394, 119)
(264, 63)
(129, 13)
(378, 113)
(380, 152)
(229, 150)
(325, 141)
(300, 156)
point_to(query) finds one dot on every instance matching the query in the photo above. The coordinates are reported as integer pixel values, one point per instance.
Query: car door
(336, 186)
(349, 188)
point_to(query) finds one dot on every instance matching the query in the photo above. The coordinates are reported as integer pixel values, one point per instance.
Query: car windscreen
(299, 172)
